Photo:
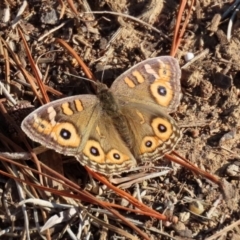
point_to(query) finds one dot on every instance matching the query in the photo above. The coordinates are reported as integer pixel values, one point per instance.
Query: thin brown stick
(39, 81)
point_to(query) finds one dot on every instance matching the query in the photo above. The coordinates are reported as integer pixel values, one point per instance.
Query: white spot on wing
(52, 114)
(150, 70)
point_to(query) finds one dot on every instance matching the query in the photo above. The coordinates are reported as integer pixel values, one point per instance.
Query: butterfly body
(120, 126)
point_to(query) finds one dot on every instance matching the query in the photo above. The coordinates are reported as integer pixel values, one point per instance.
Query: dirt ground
(110, 44)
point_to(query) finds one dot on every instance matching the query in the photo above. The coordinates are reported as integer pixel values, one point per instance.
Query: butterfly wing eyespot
(162, 128)
(106, 162)
(162, 92)
(64, 134)
(166, 135)
(116, 157)
(149, 144)
(94, 152)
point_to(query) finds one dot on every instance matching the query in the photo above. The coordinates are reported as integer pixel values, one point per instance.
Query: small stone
(184, 216)
(188, 56)
(50, 17)
(196, 207)
(195, 133)
(233, 169)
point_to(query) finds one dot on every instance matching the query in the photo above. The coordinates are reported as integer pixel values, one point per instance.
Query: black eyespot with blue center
(162, 91)
(148, 144)
(162, 128)
(116, 156)
(65, 134)
(94, 151)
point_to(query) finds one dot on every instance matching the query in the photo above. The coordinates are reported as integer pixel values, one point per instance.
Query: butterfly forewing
(63, 125)
(153, 81)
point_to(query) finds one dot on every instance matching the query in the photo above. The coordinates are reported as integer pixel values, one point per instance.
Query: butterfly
(119, 127)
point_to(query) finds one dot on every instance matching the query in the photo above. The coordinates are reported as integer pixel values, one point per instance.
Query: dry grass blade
(24, 72)
(177, 33)
(63, 9)
(190, 166)
(79, 60)
(38, 78)
(132, 18)
(114, 228)
(19, 131)
(85, 196)
(4, 53)
(225, 231)
(128, 197)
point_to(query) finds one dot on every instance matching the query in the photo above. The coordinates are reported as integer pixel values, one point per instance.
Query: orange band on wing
(64, 134)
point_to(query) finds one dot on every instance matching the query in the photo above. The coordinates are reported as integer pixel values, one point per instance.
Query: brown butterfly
(112, 131)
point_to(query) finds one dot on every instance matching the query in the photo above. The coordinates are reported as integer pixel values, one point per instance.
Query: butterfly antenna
(105, 62)
(104, 68)
(86, 79)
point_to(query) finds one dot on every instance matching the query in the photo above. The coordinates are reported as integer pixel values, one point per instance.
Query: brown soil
(209, 112)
